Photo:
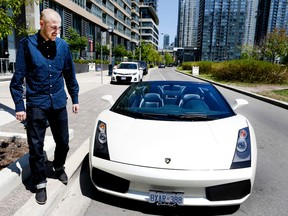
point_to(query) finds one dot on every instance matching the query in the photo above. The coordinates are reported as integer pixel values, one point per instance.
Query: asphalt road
(269, 196)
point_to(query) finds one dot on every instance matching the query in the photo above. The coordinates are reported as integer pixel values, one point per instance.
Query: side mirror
(108, 98)
(239, 103)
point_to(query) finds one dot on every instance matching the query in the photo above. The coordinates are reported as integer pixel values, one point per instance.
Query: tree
(75, 41)
(9, 13)
(120, 51)
(148, 53)
(275, 45)
(168, 58)
(105, 50)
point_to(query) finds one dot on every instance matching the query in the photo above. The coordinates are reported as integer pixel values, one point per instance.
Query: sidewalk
(15, 175)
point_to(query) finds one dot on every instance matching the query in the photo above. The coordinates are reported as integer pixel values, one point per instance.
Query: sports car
(174, 143)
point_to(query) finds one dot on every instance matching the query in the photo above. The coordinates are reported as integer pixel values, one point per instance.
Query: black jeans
(36, 129)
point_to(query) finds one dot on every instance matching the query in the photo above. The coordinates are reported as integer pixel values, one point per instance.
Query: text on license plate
(163, 197)
(123, 78)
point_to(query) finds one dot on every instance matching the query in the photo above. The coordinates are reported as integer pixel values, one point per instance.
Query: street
(270, 188)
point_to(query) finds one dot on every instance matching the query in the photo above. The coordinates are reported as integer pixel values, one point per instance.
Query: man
(44, 61)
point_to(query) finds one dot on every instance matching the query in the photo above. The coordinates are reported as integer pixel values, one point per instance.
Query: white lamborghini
(174, 143)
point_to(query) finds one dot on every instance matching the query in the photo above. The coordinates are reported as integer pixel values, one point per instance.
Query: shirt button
(50, 75)
(51, 86)
(49, 65)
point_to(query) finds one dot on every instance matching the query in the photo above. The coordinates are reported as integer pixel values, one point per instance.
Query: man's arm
(17, 81)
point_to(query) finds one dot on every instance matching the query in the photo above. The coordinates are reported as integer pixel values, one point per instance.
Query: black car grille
(110, 182)
(231, 191)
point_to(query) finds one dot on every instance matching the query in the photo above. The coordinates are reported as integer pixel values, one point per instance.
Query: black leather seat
(151, 100)
(194, 103)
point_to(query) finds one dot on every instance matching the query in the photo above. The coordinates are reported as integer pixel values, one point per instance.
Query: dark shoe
(41, 196)
(62, 176)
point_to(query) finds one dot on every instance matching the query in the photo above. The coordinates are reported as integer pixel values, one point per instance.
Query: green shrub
(96, 61)
(250, 71)
(205, 67)
(187, 66)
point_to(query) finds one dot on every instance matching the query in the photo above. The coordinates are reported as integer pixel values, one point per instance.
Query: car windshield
(127, 66)
(173, 100)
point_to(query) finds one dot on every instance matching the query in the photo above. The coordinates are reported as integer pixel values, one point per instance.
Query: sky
(168, 17)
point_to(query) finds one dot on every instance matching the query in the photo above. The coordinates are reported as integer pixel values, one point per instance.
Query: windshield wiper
(197, 117)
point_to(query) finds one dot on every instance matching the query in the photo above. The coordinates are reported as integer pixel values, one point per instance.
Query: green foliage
(205, 67)
(75, 41)
(96, 61)
(247, 70)
(250, 71)
(9, 12)
(120, 51)
(148, 53)
(168, 58)
(275, 45)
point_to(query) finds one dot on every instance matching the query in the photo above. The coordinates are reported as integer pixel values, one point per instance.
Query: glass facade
(223, 29)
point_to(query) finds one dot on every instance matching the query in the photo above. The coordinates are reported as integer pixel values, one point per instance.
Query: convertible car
(174, 143)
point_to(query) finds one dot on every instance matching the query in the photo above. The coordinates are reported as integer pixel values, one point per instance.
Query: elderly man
(44, 61)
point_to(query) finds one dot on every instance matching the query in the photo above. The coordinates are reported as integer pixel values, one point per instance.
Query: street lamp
(110, 30)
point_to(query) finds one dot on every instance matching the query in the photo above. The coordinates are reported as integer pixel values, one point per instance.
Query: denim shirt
(44, 74)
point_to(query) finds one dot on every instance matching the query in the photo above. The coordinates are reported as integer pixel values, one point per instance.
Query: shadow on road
(90, 191)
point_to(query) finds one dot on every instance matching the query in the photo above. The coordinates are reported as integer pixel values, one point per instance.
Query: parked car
(195, 150)
(144, 66)
(127, 72)
(161, 65)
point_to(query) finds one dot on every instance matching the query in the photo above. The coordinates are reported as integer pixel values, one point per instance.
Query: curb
(17, 172)
(55, 187)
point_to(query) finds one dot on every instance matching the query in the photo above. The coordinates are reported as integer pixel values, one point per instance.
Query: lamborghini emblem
(167, 160)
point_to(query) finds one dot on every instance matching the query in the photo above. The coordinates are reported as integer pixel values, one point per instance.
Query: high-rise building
(92, 20)
(151, 3)
(262, 20)
(166, 41)
(189, 28)
(227, 26)
(149, 25)
(272, 14)
(215, 29)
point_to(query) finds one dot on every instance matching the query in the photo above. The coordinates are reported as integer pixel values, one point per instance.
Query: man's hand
(75, 108)
(21, 116)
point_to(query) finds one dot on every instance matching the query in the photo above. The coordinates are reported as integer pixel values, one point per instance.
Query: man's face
(50, 29)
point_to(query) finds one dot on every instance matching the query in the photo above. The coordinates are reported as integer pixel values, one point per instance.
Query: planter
(81, 68)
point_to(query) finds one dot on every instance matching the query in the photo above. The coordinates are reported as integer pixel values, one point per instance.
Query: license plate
(166, 198)
(123, 78)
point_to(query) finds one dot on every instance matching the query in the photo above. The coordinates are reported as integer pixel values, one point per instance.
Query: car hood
(172, 144)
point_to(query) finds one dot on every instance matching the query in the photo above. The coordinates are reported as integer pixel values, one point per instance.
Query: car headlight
(134, 73)
(100, 142)
(242, 155)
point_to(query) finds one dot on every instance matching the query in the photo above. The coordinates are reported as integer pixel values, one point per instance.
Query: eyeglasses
(55, 28)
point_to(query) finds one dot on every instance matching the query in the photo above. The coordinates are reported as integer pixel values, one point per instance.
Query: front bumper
(200, 188)
(127, 78)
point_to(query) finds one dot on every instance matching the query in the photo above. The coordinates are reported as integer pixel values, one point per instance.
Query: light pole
(110, 30)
